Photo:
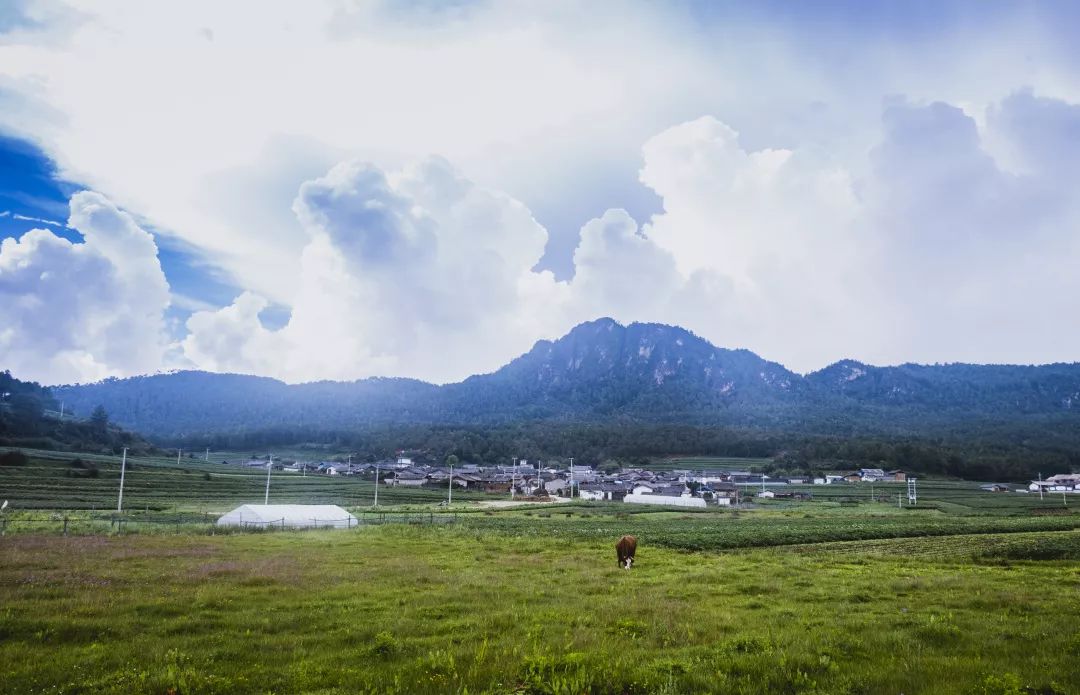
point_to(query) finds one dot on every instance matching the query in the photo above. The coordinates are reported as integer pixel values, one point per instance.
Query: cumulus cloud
(620, 272)
(417, 271)
(82, 311)
(764, 240)
(973, 259)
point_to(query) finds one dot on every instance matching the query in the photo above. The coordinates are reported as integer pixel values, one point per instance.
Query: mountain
(602, 371)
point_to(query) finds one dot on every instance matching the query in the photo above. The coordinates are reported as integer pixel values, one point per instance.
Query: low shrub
(14, 458)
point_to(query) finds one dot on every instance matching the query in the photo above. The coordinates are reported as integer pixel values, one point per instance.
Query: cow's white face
(628, 563)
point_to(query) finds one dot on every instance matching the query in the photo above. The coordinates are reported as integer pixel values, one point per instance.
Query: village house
(557, 486)
(611, 492)
(406, 478)
(724, 493)
(1062, 482)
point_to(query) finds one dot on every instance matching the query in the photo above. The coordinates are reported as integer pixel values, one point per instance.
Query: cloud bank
(422, 272)
(428, 192)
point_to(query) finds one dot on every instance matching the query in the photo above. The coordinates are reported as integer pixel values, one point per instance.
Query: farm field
(49, 481)
(464, 608)
(697, 463)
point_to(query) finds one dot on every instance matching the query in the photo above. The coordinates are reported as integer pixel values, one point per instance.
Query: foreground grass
(433, 609)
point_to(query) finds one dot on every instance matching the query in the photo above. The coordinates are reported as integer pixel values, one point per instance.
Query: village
(534, 481)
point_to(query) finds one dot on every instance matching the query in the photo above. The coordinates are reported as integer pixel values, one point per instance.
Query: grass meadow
(463, 608)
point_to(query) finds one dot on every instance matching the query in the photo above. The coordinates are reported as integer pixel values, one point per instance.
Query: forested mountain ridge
(983, 388)
(603, 371)
(29, 417)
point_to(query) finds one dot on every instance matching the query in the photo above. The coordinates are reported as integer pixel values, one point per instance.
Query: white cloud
(83, 311)
(39, 220)
(419, 272)
(621, 273)
(974, 260)
(764, 239)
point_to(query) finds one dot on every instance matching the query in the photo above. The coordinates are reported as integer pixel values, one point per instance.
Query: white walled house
(589, 494)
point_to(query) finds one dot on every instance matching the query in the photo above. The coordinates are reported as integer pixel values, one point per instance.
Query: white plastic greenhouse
(289, 516)
(664, 499)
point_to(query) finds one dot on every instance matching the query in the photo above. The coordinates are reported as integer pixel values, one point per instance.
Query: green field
(467, 609)
(49, 481)
(969, 592)
(698, 463)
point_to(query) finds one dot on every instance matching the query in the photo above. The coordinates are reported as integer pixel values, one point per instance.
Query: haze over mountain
(602, 371)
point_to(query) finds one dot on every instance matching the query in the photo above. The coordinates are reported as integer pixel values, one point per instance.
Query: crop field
(958, 497)
(50, 481)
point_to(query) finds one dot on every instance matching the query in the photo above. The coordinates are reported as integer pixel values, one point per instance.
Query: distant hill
(602, 371)
(30, 417)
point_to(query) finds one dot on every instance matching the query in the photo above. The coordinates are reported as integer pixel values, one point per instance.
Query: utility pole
(513, 478)
(207, 454)
(1040, 486)
(450, 490)
(571, 477)
(61, 411)
(269, 466)
(123, 466)
(376, 484)
(178, 452)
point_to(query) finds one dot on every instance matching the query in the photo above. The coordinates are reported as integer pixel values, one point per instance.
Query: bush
(14, 458)
(385, 645)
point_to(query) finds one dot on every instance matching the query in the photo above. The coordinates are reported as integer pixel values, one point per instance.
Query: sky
(338, 189)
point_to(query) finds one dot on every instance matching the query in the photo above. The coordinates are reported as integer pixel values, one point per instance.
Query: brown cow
(624, 550)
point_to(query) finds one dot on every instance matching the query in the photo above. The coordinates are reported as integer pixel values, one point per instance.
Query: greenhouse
(665, 499)
(289, 516)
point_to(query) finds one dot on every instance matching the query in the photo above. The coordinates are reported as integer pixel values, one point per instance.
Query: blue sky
(343, 189)
(32, 195)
